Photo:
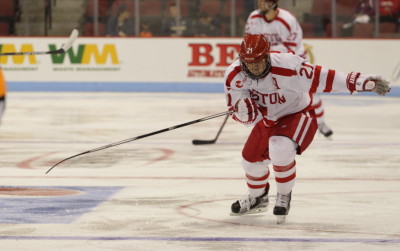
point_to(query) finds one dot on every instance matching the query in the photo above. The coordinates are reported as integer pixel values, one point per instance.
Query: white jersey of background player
(284, 33)
(271, 91)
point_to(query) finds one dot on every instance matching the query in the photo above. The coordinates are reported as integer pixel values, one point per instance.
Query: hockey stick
(142, 136)
(63, 49)
(208, 142)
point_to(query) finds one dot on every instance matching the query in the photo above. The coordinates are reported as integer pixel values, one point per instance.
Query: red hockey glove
(367, 83)
(246, 111)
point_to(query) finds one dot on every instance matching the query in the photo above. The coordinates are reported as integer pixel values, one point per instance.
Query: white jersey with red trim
(287, 87)
(283, 32)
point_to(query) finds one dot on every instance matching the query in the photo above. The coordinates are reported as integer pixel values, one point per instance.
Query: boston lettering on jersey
(267, 98)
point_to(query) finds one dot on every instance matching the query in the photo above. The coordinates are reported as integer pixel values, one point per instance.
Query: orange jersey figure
(3, 90)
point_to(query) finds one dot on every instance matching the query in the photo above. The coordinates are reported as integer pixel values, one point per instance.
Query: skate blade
(280, 219)
(253, 211)
(327, 137)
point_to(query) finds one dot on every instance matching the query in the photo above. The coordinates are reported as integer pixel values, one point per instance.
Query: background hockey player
(271, 92)
(283, 31)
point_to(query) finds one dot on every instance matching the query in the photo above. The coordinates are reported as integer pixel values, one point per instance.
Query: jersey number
(292, 36)
(307, 70)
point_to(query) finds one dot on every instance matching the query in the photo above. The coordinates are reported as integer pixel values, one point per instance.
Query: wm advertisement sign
(87, 57)
(83, 57)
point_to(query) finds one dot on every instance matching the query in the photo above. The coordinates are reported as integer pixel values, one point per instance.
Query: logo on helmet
(254, 55)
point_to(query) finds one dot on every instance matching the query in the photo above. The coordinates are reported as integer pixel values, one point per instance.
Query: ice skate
(282, 207)
(250, 204)
(325, 130)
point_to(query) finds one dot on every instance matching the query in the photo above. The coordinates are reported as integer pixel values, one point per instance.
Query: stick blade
(203, 142)
(71, 40)
(73, 156)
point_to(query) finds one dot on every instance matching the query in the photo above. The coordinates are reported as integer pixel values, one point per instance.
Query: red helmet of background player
(255, 49)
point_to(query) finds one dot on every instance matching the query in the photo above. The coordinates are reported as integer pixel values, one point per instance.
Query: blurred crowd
(146, 18)
(354, 18)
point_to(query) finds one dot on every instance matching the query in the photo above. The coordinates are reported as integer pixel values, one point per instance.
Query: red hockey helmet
(254, 53)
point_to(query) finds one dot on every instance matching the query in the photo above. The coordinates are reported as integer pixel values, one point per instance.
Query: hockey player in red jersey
(272, 91)
(284, 33)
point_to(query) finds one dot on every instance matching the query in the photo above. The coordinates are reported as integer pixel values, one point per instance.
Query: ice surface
(163, 193)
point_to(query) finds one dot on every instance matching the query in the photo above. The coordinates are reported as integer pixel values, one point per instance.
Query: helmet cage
(262, 74)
